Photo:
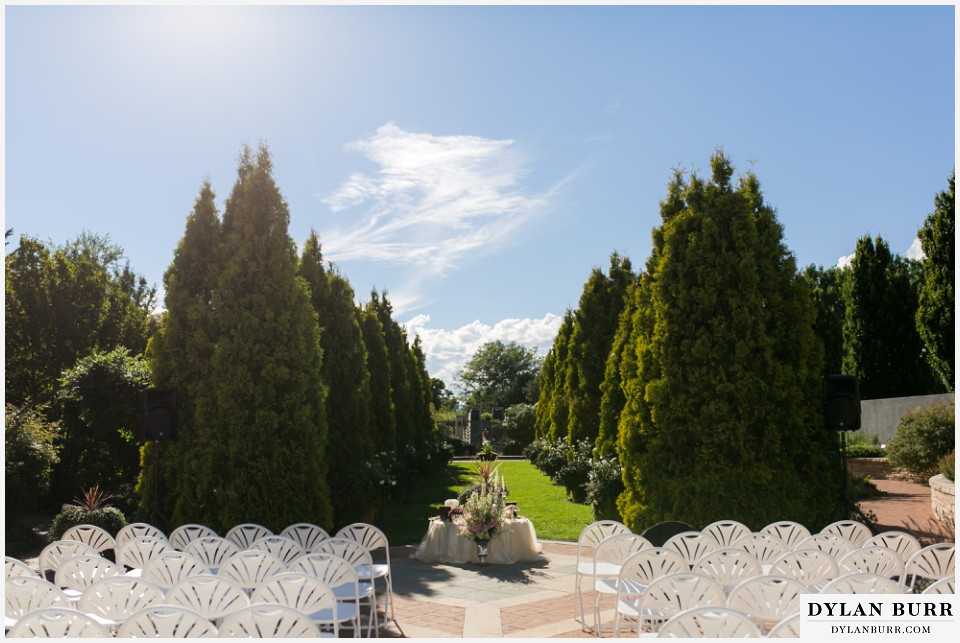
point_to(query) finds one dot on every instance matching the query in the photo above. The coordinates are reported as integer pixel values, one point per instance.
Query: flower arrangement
(483, 514)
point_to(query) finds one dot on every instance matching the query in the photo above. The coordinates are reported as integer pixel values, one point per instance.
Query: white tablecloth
(516, 543)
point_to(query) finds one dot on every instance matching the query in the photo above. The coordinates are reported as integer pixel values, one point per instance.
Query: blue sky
(476, 161)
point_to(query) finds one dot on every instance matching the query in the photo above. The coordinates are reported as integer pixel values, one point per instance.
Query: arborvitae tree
(553, 404)
(612, 398)
(180, 354)
(398, 354)
(722, 420)
(882, 345)
(350, 441)
(826, 286)
(594, 325)
(935, 314)
(262, 453)
(422, 390)
(378, 364)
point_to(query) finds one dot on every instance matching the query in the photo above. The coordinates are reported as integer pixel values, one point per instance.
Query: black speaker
(841, 402)
(159, 414)
(498, 413)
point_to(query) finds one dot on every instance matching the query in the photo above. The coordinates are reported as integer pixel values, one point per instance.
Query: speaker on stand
(841, 412)
(159, 424)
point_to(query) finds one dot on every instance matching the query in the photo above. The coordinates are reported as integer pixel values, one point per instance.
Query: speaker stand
(154, 512)
(849, 507)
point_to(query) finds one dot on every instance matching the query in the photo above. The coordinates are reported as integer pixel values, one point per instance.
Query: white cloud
(915, 251)
(434, 200)
(846, 262)
(448, 350)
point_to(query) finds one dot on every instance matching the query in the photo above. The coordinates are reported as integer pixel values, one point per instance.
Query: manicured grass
(537, 498)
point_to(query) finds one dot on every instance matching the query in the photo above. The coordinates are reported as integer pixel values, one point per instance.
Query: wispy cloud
(433, 201)
(915, 251)
(448, 350)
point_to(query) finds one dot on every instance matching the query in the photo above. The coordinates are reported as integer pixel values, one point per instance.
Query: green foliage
(547, 455)
(619, 368)
(882, 345)
(575, 472)
(500, 375)
(63, 303)
(604, 486)
(827, 286)
(947, 465)
(861, 488)
(865, 451)
(110, 519)
(518, 428)
(378, 365)
(553, 402)
(721, 419)
(29, 460)
(100, 411)
(935, 311)
(922, 438)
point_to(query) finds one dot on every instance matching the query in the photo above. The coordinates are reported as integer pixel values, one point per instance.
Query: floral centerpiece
(483, 517)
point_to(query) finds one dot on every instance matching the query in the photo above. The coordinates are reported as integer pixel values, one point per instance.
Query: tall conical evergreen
(937, 305)
(266, 415)
(398, 354)
(180, 355)
(553, 405)
(723, 418)
(882, 345)
(350, 441)
(612, 397)
(378, 364)
(594, 325)
(422, 392)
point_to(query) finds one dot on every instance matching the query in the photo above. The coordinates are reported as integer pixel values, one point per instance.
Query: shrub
(865, 451)
(575, 472)
(30, 456)
(923, 436)
(946, 465)
(109, 518)
(604, 485)
(861, 487)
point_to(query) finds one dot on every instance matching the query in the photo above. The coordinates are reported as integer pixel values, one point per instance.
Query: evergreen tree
(180, 354)
(378, 364)
(826, 287)
(722, 419)
(594, 326)
(349, 421)
(935, 313)
(398, 355)
(882, 345)
(553, 404)
(261, 455)
(422, 389)
(612, 397)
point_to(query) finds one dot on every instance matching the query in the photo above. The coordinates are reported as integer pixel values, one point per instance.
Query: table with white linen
(515, 543)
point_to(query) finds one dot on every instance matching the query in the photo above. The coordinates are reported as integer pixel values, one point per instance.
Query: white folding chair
(899, 541)
(862, 583)
(212, 551)
(306, 594)
(943, 586)
(25, 594)
(186, 534)
(874, 559)
(305, 534)
(16, 567)
(836, 546)
(933, 562)
(788, 628)
(788, 531)
(766, 547)
(171, 567)
(691, 545)
(280, 546)
(97, 537)
(590, 537)
(709, 623)
(111, 601)
(268, 621)
(58, 551)
(373, 540)
(670, 595)
(725, 532)
(812, 567)
(80, 572)
(135, 530)
(167, 621)
(245, 534)
(637, 572)
(251, 567)
(767, 599)
(58, 622)
(342, 577)
(137, 552)
(213, 597)
(608, 558)
(856, 532)
(357, 555)
(729, 566)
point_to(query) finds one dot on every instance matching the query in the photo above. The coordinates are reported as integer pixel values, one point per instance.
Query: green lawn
(537, 498)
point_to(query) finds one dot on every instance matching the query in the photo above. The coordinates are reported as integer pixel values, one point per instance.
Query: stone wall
(876, 468)
(943, 499)
(880, 417)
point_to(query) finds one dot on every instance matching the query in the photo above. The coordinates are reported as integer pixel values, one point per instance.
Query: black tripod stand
(847, 506)
(841, 412)
(154, 512)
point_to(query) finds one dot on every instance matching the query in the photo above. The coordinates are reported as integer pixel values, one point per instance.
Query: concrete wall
(880, 417)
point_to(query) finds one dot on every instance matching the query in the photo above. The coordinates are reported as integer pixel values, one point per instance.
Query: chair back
(212, 551)
(80, 572)
(58, 551)
(899, 541)
(186, 534)
(171, 567)
(251, 567)
(809, 566)
(97, 537)
(15, 567)
(119, 597)
(691, 545)
(619, 547)
(280, 546)
(212, 596)
(711, 623)
(874, 559)
(268, 621)
(728, 566)
(25, 594)
(659, 533)
(862, 583)
(788, 628)
(647, 565)
(302, 592)
(856, 532)
(58, 622)
(245, 534)
(305, 534)
(168, 622)
(766, 547)
(135, 530)
(670, 595)
(943, 586)
(932, 562)
(768, 599)
(788, 531)
(725, 532)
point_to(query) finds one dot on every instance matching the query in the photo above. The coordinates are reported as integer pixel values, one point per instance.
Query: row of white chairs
(729, 553)
(262, 620)
(112, 601)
